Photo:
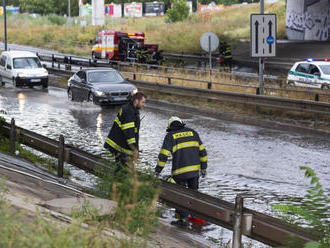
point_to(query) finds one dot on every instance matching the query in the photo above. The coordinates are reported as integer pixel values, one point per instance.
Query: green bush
(313, 211)
(56, 19)
(136, 195)
(179, 11)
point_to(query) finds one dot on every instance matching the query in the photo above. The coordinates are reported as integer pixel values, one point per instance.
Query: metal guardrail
(227, 96)
(255, 225)
(88, 62)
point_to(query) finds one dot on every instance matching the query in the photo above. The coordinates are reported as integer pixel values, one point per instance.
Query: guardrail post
(169, 80)
(317, 97)
(89, 62)
(209, 84)
(12, 137)
(237, 225)
(52, 60)
(70, 60)
(58, 65)
(257, 91)
(134, 76)
(60, 156)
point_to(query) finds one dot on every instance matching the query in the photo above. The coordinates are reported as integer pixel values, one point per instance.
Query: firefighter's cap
(173, 119)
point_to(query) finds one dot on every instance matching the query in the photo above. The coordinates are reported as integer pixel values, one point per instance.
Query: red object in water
(197, 220)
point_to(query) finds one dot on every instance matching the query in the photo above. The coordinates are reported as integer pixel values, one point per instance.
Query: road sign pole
(210, 60)
(5, 23)
(261, 60)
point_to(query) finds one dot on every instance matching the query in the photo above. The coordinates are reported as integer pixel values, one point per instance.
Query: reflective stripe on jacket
(188, 152)
(124, 131)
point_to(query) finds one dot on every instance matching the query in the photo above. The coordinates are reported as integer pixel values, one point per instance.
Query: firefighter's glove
(203, 172)
(157, 174)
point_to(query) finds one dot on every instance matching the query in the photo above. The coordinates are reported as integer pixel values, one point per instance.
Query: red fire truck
(122, 46)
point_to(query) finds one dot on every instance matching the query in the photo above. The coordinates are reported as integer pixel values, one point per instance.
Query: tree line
(60, 7)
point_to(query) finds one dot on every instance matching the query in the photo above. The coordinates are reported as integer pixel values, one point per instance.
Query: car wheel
(14, 82)
(70, 95)
(291, 83)
(2, 82)
(325, 86)
(93, 55)
(91, 98)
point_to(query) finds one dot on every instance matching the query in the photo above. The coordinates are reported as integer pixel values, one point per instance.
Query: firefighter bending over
(189, 158)
(123, 138)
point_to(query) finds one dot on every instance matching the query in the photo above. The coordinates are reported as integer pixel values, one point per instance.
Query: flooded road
(242, 159)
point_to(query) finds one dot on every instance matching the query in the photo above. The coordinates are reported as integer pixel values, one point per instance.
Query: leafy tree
(59, 7)
(12, 3)
(179, 11)
(313, 211)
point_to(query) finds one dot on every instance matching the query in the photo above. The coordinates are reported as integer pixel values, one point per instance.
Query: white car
(22, 68)
(310, 73)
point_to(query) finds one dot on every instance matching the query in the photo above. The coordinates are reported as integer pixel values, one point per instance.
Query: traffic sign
(209, 42)
(263, 35)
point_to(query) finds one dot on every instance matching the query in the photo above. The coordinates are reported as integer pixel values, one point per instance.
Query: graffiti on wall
(313, 24)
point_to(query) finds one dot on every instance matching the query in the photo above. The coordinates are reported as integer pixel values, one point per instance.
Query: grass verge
(230, 24)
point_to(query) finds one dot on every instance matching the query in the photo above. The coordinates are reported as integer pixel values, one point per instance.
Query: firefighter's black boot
(180, 222)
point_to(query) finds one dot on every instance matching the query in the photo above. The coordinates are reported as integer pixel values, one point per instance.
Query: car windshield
(112, 77)
(325, 69)
(26, 63)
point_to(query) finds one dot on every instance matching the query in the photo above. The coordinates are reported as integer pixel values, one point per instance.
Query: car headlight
(99, 93)
(134, 92)
(21, 74)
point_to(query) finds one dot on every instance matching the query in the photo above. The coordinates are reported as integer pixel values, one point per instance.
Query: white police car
(310, 73)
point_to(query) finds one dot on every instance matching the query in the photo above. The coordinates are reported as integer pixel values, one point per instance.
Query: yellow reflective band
(120, 112)
(167, 153)
(131, 141)
(203, 159)
(186, 169)
(118, 122)
(127, 125)
(201, 147)
(185, 145)
(160, 163)
(117, 147)
(135, 130)
(182, 135)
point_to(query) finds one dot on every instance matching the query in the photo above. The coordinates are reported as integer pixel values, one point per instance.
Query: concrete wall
(98, 12)
(308, 19)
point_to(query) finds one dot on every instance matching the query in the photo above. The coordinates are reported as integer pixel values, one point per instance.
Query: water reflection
(21, 101)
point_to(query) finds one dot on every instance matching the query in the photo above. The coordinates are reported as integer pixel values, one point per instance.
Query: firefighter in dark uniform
(225, 53)
(123, 138)
(189, 158)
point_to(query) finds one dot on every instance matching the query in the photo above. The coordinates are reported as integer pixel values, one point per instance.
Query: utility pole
(5, 22)
(261, 60)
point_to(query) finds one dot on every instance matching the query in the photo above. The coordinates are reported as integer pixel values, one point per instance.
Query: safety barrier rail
(310, 93)
(253, 224)
(227, 96)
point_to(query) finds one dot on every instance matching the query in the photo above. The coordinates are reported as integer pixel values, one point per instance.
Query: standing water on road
(242, 159)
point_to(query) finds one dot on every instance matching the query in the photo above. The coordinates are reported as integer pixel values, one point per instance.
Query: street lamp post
(5, 22)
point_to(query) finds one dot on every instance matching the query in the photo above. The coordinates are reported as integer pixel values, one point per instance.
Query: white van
(22, 68)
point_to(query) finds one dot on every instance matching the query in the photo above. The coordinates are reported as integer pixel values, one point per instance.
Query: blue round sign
(270, 40)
